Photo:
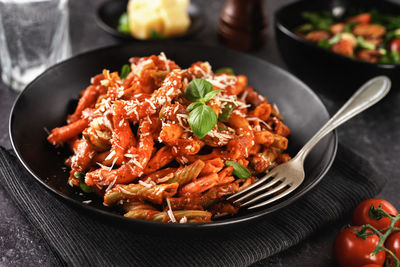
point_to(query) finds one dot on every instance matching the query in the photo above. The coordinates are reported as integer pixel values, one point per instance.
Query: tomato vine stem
(382, 236)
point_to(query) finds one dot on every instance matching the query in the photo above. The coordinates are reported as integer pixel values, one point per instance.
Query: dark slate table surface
(374, 134)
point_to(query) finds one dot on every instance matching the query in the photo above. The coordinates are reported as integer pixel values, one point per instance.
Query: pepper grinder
(243, 24)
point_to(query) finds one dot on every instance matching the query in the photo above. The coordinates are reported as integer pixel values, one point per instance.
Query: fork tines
(271, 184)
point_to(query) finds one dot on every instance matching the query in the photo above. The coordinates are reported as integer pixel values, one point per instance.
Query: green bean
(154, 194)
(187, 173)
(191, 215)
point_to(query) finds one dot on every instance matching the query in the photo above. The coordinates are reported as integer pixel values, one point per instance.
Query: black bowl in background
(49, 98)
(320, 68)
(109, 12)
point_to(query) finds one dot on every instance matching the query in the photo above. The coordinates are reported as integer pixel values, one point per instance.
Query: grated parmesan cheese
(145, 184)
(104, 167)
(112, 184)
(163, 57)
(259, 120)
(137, 163)
(123, 190)
(151, 103)
(169, 212)
(110, 156)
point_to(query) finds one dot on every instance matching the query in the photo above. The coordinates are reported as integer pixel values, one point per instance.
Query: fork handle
(366, 96)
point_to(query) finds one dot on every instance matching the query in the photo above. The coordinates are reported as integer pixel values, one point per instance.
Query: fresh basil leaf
(156, 36)
(226, 112)
(210, 95)
(225, 70)
(197, 89)
(125, 70)
(201, 120)
(193, 105)
(123, 24)
(239, 170)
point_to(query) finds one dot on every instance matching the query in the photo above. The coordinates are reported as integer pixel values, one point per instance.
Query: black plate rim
(110, 30)
(258, 214)
(292, 35)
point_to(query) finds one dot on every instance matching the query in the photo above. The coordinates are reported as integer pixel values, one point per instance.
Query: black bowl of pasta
(114, 182)
(322, 64)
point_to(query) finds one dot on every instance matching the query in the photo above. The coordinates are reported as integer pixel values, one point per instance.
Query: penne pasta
(168, 144)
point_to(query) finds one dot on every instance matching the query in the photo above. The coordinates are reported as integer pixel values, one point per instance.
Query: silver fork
(286, 177)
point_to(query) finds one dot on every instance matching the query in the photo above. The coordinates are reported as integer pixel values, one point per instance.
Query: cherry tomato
(353, 251)
(337, 28)
(372, 265)
(393, 244)
(343, 47)
(361, 213)
(364, 18)
(395, 45)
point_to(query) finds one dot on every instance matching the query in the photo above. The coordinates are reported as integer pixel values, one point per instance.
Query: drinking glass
(34, 34)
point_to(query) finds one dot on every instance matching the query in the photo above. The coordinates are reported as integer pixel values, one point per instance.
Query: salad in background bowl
(370, 36)
(313, 61)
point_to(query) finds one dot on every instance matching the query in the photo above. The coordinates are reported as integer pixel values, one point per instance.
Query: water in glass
(34, 34)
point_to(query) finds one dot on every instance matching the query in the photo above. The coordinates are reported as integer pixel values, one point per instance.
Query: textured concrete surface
(375, 134)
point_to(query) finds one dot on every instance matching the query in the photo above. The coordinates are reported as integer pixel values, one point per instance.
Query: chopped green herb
(225, 70)
(226, 112)
(239, 170)
(123, 24)
(82, 185)
(125, 70)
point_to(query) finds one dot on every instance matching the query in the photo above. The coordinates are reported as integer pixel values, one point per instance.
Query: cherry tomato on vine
(353, 251)
(362, 214)
(395, 45)
(393, 244)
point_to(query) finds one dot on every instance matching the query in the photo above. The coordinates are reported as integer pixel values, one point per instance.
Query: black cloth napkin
(81, 240)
